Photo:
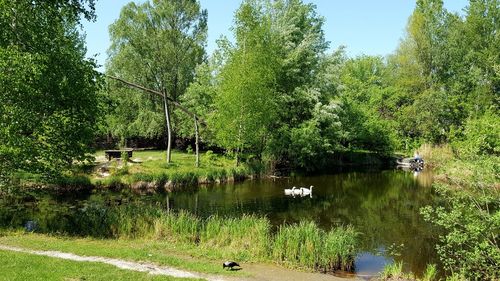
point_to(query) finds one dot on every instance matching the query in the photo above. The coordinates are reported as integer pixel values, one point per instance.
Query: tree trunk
(196, 142)
(169, 129)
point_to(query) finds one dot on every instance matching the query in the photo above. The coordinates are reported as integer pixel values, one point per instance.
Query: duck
(289, 191)
(229, 264)
(305, 191)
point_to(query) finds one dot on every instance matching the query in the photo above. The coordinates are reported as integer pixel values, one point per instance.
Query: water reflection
(383, 206)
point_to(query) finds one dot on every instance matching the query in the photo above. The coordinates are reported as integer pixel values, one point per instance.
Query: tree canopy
(156, 44)
(49, 91)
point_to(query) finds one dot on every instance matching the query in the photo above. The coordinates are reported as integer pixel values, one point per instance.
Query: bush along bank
(247, 238)
(469, 215)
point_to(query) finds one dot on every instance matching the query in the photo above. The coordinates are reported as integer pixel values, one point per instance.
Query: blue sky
(364, 26)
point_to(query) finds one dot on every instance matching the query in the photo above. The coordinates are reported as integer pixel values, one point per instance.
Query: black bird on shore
(229, 264)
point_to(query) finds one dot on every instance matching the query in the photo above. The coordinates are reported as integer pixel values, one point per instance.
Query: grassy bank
(147, 171)
(20, 266)
(246, 238)
(468, 214)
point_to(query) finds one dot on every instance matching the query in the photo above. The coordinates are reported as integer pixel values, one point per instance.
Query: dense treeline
(277, 94)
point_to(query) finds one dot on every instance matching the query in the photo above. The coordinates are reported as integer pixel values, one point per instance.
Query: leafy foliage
(471, 224)
(480, 137)
(156, 44)
(469, 218)
(49, 91)
(245, 105)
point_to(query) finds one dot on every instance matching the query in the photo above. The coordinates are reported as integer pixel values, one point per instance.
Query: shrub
(469, 219)
(481, 137)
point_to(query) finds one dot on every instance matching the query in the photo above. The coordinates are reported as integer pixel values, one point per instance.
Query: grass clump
(340, 242)
(181, 226)
(394, 271)
(306, 245)
(430, 273)
(244, 238)
(298, 245)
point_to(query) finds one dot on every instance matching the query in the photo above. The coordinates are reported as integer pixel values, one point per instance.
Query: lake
(382, 205)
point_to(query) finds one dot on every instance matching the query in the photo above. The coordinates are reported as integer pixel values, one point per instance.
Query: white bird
(305, 191)
(297, 191)
(290, 191)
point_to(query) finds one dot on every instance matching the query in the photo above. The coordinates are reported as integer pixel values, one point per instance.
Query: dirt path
(142, 267)
(259, 272)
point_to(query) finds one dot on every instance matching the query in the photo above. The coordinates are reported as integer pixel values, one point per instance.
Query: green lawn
(21, 266)
(150, 165)
(158, 252)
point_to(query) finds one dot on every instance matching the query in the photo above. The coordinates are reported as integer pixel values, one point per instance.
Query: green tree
(156, 44)
(301, 45)
(49, 91)
(446, 63)
(369, 102)
(200, 99)
(245, 105)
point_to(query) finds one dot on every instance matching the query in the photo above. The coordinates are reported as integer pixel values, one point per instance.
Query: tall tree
(49, 101)
(156, 44)
(301, 44)
(369, 103)
(445, 68)
(281, 63)
(245, 104)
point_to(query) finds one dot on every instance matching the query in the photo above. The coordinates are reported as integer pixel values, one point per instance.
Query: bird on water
(229, 264)
(306, 191)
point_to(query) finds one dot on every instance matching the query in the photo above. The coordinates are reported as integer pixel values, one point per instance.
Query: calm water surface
(383, 206)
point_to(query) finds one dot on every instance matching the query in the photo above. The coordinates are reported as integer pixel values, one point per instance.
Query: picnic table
(117, 153)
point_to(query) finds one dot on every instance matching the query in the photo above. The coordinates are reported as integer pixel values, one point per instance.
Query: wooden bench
(117, 153)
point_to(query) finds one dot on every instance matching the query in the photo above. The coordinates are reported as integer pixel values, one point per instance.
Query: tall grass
(430, 273)
(245, 238)
(340, 242)
(436, 156)
(306, 245)
(298, 245)
(182, 227)
(393, 270)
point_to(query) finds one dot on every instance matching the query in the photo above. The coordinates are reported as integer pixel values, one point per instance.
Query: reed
(245, 238)
(340, 242)
(178, 227)
(430, 273)
(306, 245)
(131, 224)
(393, 270)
